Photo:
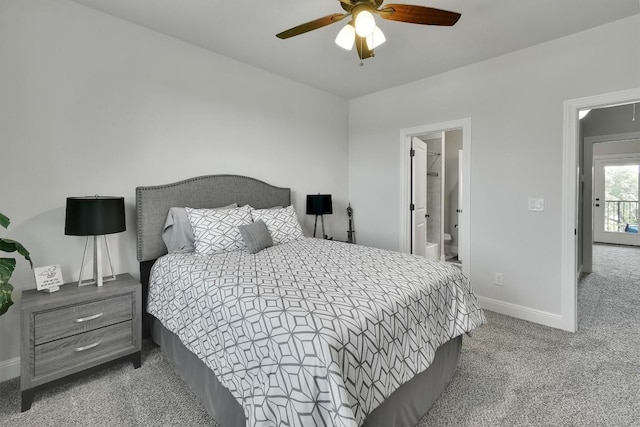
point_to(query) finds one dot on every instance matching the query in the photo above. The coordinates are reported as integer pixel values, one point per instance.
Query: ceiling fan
(362, 29)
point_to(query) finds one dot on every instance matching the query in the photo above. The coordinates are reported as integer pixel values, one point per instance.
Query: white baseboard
(521, 312)
(9, 369)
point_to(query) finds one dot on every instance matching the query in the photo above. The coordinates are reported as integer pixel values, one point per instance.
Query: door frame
(570, 179)
(611, 159)
(587, 203)
(405, 196)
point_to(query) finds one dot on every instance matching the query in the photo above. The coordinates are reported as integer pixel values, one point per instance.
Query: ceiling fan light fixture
(346, 37)
(365, 23)
(362, 30)
(376, 38)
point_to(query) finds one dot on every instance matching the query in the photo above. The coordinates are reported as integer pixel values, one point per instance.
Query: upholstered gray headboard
(153, 203)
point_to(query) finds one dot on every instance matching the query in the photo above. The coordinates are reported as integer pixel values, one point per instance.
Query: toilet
(432, 251)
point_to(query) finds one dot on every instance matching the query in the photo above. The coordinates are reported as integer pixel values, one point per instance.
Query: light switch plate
(536, 204)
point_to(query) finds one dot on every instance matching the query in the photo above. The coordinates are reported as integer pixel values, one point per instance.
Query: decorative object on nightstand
(351, 238)
(7, 265)
(78, 329)
(48, 278)
(95, 216)
(319, 205)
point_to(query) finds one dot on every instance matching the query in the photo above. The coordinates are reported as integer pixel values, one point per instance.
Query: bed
(307, 332)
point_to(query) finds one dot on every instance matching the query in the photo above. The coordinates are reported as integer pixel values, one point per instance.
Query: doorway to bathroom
(435, 192)
(437, 175)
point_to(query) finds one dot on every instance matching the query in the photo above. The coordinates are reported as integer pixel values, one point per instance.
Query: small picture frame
(48, 278)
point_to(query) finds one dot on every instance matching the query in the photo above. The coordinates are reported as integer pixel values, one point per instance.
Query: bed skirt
(404, 408)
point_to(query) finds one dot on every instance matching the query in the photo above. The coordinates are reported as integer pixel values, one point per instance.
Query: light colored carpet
(152, 395)
(511, 373)
(517, 373)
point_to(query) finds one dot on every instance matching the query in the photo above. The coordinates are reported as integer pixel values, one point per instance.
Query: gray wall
(612, 120)
(515, 103)
(92, 104)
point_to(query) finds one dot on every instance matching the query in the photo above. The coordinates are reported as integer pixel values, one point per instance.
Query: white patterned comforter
(312, 332)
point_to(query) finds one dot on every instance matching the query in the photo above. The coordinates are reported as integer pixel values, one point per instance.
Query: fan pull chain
(359, 52)
(633, 119)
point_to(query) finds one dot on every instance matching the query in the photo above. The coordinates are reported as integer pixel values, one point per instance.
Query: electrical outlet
(497, 279)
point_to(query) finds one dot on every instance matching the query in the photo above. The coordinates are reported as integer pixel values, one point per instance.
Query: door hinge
(412, 153)
(575, 232)
(412, 207)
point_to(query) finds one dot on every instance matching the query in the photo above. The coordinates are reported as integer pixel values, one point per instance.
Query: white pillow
(216, 230)
(177, 234)
(282, 223)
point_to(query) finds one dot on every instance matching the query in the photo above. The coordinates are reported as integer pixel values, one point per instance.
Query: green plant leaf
(5, 297)
(4, 221)
(8, 245)
(7, 265)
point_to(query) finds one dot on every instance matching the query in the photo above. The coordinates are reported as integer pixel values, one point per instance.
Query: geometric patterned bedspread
(312, 332)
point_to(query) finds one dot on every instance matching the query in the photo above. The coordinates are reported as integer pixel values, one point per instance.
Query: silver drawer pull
(88, 347)
(86, 319)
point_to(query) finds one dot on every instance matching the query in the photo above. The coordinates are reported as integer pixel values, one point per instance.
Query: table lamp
(319, 205)
(95, 216)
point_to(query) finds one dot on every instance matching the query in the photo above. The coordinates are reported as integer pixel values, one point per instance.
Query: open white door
(418, 204)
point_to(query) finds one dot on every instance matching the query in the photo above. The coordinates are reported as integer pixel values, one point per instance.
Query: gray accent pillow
(177, 233)
(256, 236)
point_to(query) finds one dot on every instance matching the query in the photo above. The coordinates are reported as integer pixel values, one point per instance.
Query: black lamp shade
(94, 216)
(319, 204)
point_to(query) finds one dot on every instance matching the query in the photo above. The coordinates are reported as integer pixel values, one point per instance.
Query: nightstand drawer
(76, 319)
(73, 351)
(77, 329)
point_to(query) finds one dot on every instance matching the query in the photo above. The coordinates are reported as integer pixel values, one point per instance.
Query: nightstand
(77, 329)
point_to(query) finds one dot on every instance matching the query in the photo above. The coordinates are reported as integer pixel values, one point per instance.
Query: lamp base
(94, 281)
(315, 226)
(97, 278)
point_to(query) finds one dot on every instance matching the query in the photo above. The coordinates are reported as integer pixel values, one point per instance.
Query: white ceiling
(245, 31)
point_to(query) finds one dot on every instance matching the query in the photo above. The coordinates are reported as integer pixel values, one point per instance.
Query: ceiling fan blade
(346, 5)
(418, 15)
(312, 25)
(363, 49)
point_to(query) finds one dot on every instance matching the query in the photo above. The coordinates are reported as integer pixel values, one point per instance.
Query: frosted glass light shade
(376, 38)
(346, 37)
(365, 23)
